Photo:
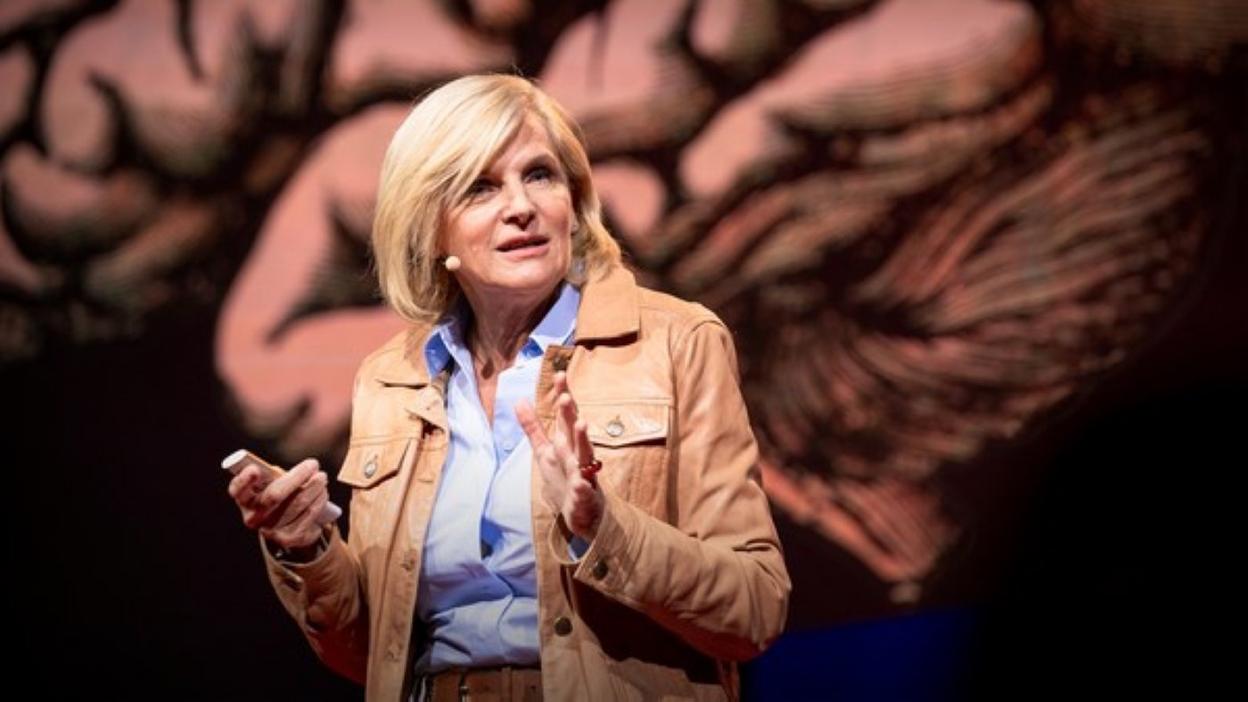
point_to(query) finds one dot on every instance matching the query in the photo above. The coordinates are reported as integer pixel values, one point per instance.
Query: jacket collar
(610, 309)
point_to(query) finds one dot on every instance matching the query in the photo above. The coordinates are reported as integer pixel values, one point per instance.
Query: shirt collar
(448, 339)
(609, 309)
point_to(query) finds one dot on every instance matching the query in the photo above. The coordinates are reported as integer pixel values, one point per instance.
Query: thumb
(307, 468)
(527, 417)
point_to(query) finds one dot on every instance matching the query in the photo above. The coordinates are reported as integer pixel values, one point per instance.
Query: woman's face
(512, 230)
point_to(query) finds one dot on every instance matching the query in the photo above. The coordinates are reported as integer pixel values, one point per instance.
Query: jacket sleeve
(326, 599)
(717, 577)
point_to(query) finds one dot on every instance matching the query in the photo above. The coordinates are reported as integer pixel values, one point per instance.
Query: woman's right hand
(285, 510)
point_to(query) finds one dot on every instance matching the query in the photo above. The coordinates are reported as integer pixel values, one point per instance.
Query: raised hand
(568, 490)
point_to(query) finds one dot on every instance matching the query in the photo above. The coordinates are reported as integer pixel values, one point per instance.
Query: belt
(503, 684)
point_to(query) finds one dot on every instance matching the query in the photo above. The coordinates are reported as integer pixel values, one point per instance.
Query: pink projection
(924, 228)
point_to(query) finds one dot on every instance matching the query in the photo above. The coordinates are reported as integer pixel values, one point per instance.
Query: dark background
(1099, 544)
(1119, 574)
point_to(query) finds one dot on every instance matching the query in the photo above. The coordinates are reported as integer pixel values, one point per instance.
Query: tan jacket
(685, 575)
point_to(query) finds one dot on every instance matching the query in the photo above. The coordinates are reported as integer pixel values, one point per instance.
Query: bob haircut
(442, 146)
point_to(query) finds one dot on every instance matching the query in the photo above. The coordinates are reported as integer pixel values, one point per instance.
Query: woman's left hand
(560, 458)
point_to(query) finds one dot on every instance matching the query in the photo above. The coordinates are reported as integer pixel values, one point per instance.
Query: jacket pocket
(630, 437)
(372, 468)
(616, 424)
(375, 460)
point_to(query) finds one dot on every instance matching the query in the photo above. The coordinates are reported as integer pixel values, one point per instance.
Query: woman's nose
(519, 208)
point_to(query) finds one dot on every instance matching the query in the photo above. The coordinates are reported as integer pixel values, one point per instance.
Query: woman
(555, 485)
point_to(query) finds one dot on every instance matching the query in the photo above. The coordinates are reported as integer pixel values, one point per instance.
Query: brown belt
(505, 684)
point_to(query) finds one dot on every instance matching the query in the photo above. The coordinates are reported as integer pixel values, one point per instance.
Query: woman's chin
(519, 284)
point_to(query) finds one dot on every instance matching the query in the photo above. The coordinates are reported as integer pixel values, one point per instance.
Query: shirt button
(559, 362)
(563, 626)
(600, 570)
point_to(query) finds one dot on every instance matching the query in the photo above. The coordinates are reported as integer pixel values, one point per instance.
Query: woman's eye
(479, 187)
(540, 173)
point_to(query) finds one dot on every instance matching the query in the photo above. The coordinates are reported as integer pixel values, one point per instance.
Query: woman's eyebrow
(544, 157)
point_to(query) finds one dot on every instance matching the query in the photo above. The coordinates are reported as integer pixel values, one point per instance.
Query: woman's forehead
(528, 141)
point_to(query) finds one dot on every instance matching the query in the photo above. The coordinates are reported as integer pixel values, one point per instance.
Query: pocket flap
(624, 423)
(373, 460)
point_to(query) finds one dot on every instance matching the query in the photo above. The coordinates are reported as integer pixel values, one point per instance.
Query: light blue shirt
(478, 585)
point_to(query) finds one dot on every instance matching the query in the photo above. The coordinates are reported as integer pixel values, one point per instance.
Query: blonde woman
(555, 490)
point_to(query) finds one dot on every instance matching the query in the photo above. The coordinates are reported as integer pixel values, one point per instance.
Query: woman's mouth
(524, 244)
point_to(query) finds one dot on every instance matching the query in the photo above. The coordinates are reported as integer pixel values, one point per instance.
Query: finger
(286, 535)
(554, 479)
(527, 417)
(565, 407)
(241, 484)
(285, 485)
(248, 488)
(271, 504)
(561, 384)
(277, 520)
(303, 528)
(310, 526)
(584, 449)
(585, 504)
(565, 451)
(582, 495)
(301, 500)
(562, 388)
(317, 508)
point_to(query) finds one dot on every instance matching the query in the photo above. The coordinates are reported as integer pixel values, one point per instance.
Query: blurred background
(984, 260)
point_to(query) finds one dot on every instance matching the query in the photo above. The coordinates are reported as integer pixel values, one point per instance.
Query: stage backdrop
(979, 256)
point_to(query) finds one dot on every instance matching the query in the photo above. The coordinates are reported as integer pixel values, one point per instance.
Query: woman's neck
(500, 329)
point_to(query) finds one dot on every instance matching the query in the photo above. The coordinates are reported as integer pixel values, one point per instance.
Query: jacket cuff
(567, 547)
(314, 575)
(559, 541)
(606, 564)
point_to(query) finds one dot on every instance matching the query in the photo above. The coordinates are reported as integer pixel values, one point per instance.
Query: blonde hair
(443, 145)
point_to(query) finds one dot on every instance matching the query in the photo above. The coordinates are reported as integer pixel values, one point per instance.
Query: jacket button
(615, 427)
(600, 570)
(559, 362)
(370, 468)
(563, 626)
